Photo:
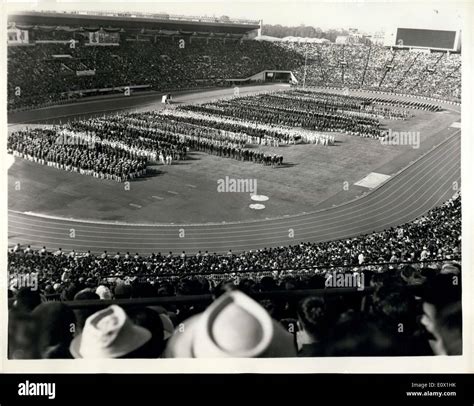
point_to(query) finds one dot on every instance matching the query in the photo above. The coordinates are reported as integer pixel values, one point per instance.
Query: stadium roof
(292, 39)
(222, 24)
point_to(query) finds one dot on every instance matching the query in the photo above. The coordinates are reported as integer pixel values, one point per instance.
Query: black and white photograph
(235, 180)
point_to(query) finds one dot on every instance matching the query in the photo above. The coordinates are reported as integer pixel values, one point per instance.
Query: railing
(290, 295)
(208, 298)
(204, 298)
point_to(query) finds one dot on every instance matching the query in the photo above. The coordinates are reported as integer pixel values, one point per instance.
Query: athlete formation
(120, 147)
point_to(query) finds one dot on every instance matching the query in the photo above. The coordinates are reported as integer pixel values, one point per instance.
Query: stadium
(169, 169)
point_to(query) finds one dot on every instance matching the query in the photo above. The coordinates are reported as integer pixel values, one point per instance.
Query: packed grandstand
(386, 293)
(180, 59)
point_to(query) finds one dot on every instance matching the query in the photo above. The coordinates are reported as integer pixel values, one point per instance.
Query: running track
(427, 183)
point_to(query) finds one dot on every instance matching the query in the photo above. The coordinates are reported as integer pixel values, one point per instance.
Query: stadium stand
(388, 272)
(161, 66)
(390, 293)
(375, 67)
(60, 66)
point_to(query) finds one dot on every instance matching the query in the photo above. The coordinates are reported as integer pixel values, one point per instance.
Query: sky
(366, 16)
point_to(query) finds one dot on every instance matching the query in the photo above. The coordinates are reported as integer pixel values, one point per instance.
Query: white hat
(233, 326)
(103, 292)
(450, 268)
(109, 333)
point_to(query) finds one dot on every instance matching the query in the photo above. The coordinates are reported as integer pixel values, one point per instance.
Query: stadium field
(215, 187)
(313, 178)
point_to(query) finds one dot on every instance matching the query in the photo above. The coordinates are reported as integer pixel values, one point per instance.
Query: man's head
(27, 300)
(122, 291)
(312, 316)
(356, 336)
(56, 323)
(449, 329)
(439, 292)
(22, 336)
(397, 309)
(150, 320)
(83, 313)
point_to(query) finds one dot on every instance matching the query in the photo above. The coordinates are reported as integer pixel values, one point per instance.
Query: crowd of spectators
(407, 310)
(442, 79)
(375, 67)
(407, 297)
(48, 72)
(406, 300)
(435, 236)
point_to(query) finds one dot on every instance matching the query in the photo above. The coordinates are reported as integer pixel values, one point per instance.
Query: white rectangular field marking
(372, 180)
(456, 124)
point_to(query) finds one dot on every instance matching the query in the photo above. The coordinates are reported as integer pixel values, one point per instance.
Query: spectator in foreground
(440, 296)
(22, 333)
(312, 320)
(354, 335)
(449, 329)
(150, 319)
(83, 313)
(232, 326)
(27, 300)
(56, 327)
(109, 333)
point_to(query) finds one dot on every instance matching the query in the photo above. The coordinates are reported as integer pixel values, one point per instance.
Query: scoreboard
(428, 39)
